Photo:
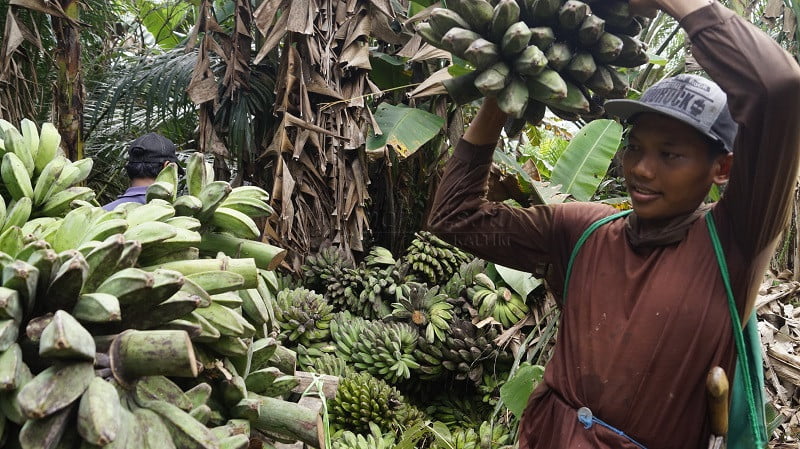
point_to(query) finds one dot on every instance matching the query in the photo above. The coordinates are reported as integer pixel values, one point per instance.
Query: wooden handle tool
(717, 388)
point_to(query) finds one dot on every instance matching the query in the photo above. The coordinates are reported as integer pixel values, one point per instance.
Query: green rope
(738, 337)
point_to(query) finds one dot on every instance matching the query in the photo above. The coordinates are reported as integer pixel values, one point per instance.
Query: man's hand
(485, 128)
(676, 8)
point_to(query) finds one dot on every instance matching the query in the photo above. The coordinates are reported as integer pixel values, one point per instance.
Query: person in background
(646, 316)
(147, 156)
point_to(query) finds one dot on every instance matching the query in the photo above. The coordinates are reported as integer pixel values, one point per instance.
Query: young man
(647, 313)
(147, 156)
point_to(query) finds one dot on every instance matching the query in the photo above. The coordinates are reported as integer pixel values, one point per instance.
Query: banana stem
(267, 256)
(282, 420)
(245, 267)
(135, 354)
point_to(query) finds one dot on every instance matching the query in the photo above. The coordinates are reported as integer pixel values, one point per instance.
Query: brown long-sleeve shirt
(644, 324)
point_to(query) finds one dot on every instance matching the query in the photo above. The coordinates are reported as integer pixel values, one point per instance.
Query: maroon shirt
(647, 315)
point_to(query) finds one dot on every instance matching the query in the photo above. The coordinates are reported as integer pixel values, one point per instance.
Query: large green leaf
(517, 390)
(520, 281)
(404, 129)
(584, 163)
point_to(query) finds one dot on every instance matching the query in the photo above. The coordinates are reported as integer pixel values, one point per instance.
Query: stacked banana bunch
(467, 352)
(385, 350)
(425, 308)
(458, 410)
(304, 316)
(488, 436)
(375, 439)
(100, 309)
(498, 302)
(362, 399)
(533, 54)
(432, 260)
(38, 181)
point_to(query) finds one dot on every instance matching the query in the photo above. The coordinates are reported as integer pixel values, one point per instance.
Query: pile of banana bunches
(538, 54)
(148, 326)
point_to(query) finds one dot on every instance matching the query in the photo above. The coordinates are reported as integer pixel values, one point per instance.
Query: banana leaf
(585, 161)
(404, 129)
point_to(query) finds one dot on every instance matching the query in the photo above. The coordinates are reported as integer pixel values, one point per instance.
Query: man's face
(667, 167)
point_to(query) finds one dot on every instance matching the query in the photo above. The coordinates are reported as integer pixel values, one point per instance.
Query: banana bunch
(379, 256)
(224, 215)
(467, 352)
(432, 260)
(500, 303)
(304, 317)
(374, 440)
(362, 399)
(458, 410)
(38, 180)
(537, 54)
(325, 267)
(346, 288)
(255, 373)
(328, 363)
(385, 350)
(381, 285)
(488, 436)
(425, 308)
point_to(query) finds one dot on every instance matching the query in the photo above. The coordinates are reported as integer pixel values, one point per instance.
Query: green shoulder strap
(593, 227)
(746, 421)
(747, 425)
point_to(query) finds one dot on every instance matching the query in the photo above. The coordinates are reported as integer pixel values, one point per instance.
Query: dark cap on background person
(153, 148)
(691, 99)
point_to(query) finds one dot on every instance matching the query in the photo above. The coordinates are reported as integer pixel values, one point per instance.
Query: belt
(586, 418)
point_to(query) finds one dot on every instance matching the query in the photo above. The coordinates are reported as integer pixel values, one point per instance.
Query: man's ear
(722, 168)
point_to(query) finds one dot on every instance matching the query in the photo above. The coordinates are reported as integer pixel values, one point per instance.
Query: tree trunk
(68, 95)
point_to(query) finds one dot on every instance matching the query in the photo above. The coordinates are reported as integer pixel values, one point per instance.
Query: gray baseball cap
(691, 99)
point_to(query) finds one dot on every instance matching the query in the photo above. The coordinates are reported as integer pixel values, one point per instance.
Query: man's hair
(140, 170)
(715, 148)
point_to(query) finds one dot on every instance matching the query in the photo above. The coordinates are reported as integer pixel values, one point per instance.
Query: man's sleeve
(763, 86)
(461, 215)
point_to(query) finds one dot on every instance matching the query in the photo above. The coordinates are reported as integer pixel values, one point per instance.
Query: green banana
(506, 13)
(129, 286)
(155, 210)
(160, 190)
(515, 39)
(49, 141)
(442, 20)
(249, 206)
(97, 308)
(235, 223)
(187, 205)
(212, 196)
(12, 368)
(99, 413)
(477, 13)
(15, 177)
(54, 388)
(46, 433)
(482, 54)
(215, 282)
(67, 283)
(60, 202)
(65, 338)
(187, 432)
(196, 175)
(160, 388)
(22, 277)
(47, 178)
(157, 435)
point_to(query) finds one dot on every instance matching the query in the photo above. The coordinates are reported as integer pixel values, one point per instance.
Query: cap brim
(627, 109)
